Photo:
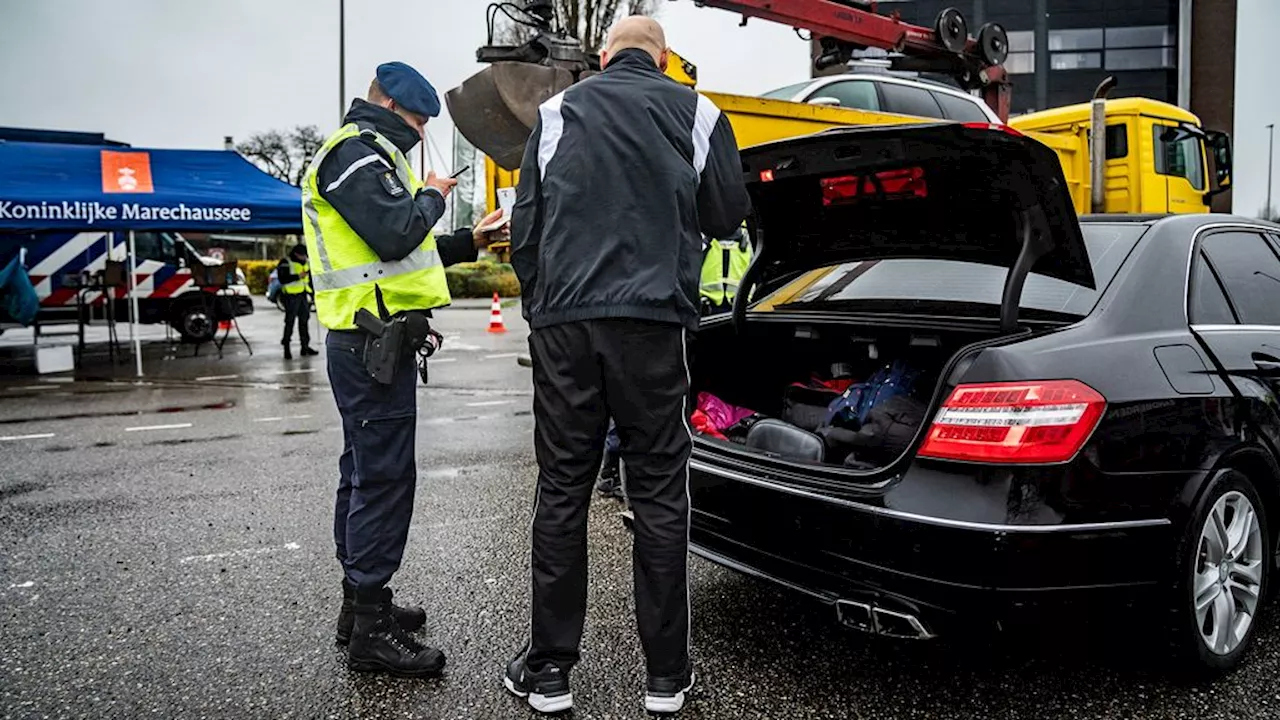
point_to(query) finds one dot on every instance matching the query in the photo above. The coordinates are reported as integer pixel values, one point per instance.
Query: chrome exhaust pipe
(855, 615)
(881, 621)
(899, 625)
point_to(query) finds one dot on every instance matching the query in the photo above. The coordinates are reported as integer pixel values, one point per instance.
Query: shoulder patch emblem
(392, 184)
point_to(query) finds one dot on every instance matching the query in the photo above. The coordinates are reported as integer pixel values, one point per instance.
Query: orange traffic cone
(495, 316)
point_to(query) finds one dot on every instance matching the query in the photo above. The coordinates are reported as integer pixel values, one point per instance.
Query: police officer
(368, 221)
(724, 265)
(295, 285)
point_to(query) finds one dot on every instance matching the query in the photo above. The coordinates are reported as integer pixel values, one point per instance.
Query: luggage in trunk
(829, 393)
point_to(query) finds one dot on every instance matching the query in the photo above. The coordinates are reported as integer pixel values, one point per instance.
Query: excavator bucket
(497, 107)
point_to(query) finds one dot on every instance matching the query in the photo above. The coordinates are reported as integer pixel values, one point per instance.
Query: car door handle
(1266, 362)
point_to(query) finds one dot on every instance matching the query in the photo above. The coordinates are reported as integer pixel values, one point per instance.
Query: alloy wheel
(1228, 573)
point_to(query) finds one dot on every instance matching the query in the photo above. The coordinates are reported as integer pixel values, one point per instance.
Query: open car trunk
(828, 393)
(837, 393)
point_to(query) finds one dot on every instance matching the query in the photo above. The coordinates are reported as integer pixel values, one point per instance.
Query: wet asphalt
(166, 551)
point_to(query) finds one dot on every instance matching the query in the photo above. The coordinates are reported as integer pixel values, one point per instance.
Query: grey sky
(184, 73)
(172, 73)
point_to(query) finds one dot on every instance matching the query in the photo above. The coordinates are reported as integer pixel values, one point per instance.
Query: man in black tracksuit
(623, 174)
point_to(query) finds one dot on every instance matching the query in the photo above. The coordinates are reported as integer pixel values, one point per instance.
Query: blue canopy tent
(45, 186)
(49, 187)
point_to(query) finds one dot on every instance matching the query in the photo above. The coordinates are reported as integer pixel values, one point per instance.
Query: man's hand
(444, 185)
(485, 239)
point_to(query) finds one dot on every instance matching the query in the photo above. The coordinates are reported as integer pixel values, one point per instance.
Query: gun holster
(389, 339)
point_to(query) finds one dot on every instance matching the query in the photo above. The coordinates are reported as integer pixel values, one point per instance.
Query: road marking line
(238, 553)
(489, 403)
(36, 436)
(500, 356)
(216, 377)
(437, 361)
(268, 419)
(175, 426)
(297, 417)
(26, 584)
(293, 372)
(36, 387)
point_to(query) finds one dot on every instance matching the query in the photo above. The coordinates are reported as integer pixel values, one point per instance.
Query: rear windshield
(949, 281)
(788, 92)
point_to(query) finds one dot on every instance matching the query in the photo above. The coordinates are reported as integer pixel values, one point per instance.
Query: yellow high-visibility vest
(722, 270)
(299, 286)
(347, 273)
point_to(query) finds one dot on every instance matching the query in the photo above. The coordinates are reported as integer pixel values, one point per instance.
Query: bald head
(639, 33)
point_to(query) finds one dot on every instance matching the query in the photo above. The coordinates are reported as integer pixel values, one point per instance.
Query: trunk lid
(976, 193)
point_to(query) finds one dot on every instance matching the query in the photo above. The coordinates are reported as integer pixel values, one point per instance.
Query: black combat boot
(409, 618)
(288, 354)
(379, 644)
(308, 351)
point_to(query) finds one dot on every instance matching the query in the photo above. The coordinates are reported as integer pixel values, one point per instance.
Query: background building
(1178, 51)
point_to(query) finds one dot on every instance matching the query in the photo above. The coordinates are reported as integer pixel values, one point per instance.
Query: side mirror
(1219, 144)
(825, 101)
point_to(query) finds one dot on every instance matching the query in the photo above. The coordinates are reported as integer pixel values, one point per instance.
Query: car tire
(195, 323)
(1221, 588)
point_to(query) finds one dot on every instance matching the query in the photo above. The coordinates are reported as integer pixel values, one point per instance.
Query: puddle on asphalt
(19, 488)
(298, 394)
(223, 405)
(191, 441)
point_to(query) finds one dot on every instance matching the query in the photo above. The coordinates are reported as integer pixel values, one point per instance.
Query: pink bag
(721, 414)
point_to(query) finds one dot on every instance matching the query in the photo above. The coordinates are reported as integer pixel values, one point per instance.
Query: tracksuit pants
(584, 373)
(378, 471)
(297, 308)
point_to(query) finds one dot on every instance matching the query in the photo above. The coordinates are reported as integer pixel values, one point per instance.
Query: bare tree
(283, 155)
(588, 20)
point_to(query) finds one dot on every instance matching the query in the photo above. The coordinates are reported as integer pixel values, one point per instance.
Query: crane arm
(846, 25)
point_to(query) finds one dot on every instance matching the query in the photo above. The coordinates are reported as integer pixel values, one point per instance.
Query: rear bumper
(939, 570)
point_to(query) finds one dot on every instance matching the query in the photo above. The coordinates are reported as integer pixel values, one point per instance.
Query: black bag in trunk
(806, 407)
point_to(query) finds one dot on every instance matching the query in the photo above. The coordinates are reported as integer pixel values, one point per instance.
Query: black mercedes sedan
(950, 400)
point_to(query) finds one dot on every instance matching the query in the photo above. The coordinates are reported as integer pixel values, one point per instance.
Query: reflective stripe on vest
(350, 272)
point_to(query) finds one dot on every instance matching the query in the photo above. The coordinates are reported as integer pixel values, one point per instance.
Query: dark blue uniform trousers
(375, 494)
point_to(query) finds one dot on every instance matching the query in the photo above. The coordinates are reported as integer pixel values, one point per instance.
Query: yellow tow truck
(1157, 154)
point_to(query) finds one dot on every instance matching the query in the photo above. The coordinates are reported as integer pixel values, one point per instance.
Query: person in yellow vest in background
(725, 263)
(378, 272)
(295, 287)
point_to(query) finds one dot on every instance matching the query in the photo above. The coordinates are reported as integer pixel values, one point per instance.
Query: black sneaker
(288, 354)
(379, 644)
(610, 484)
(308, 351)
(667, 694)
(546, 690)
(410, 619)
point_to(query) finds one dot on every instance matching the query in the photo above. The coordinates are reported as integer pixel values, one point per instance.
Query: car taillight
(994, 126)
(1031, 422)
(885, 185)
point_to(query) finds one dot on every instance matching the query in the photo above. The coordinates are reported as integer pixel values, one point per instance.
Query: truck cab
(1158, 157)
